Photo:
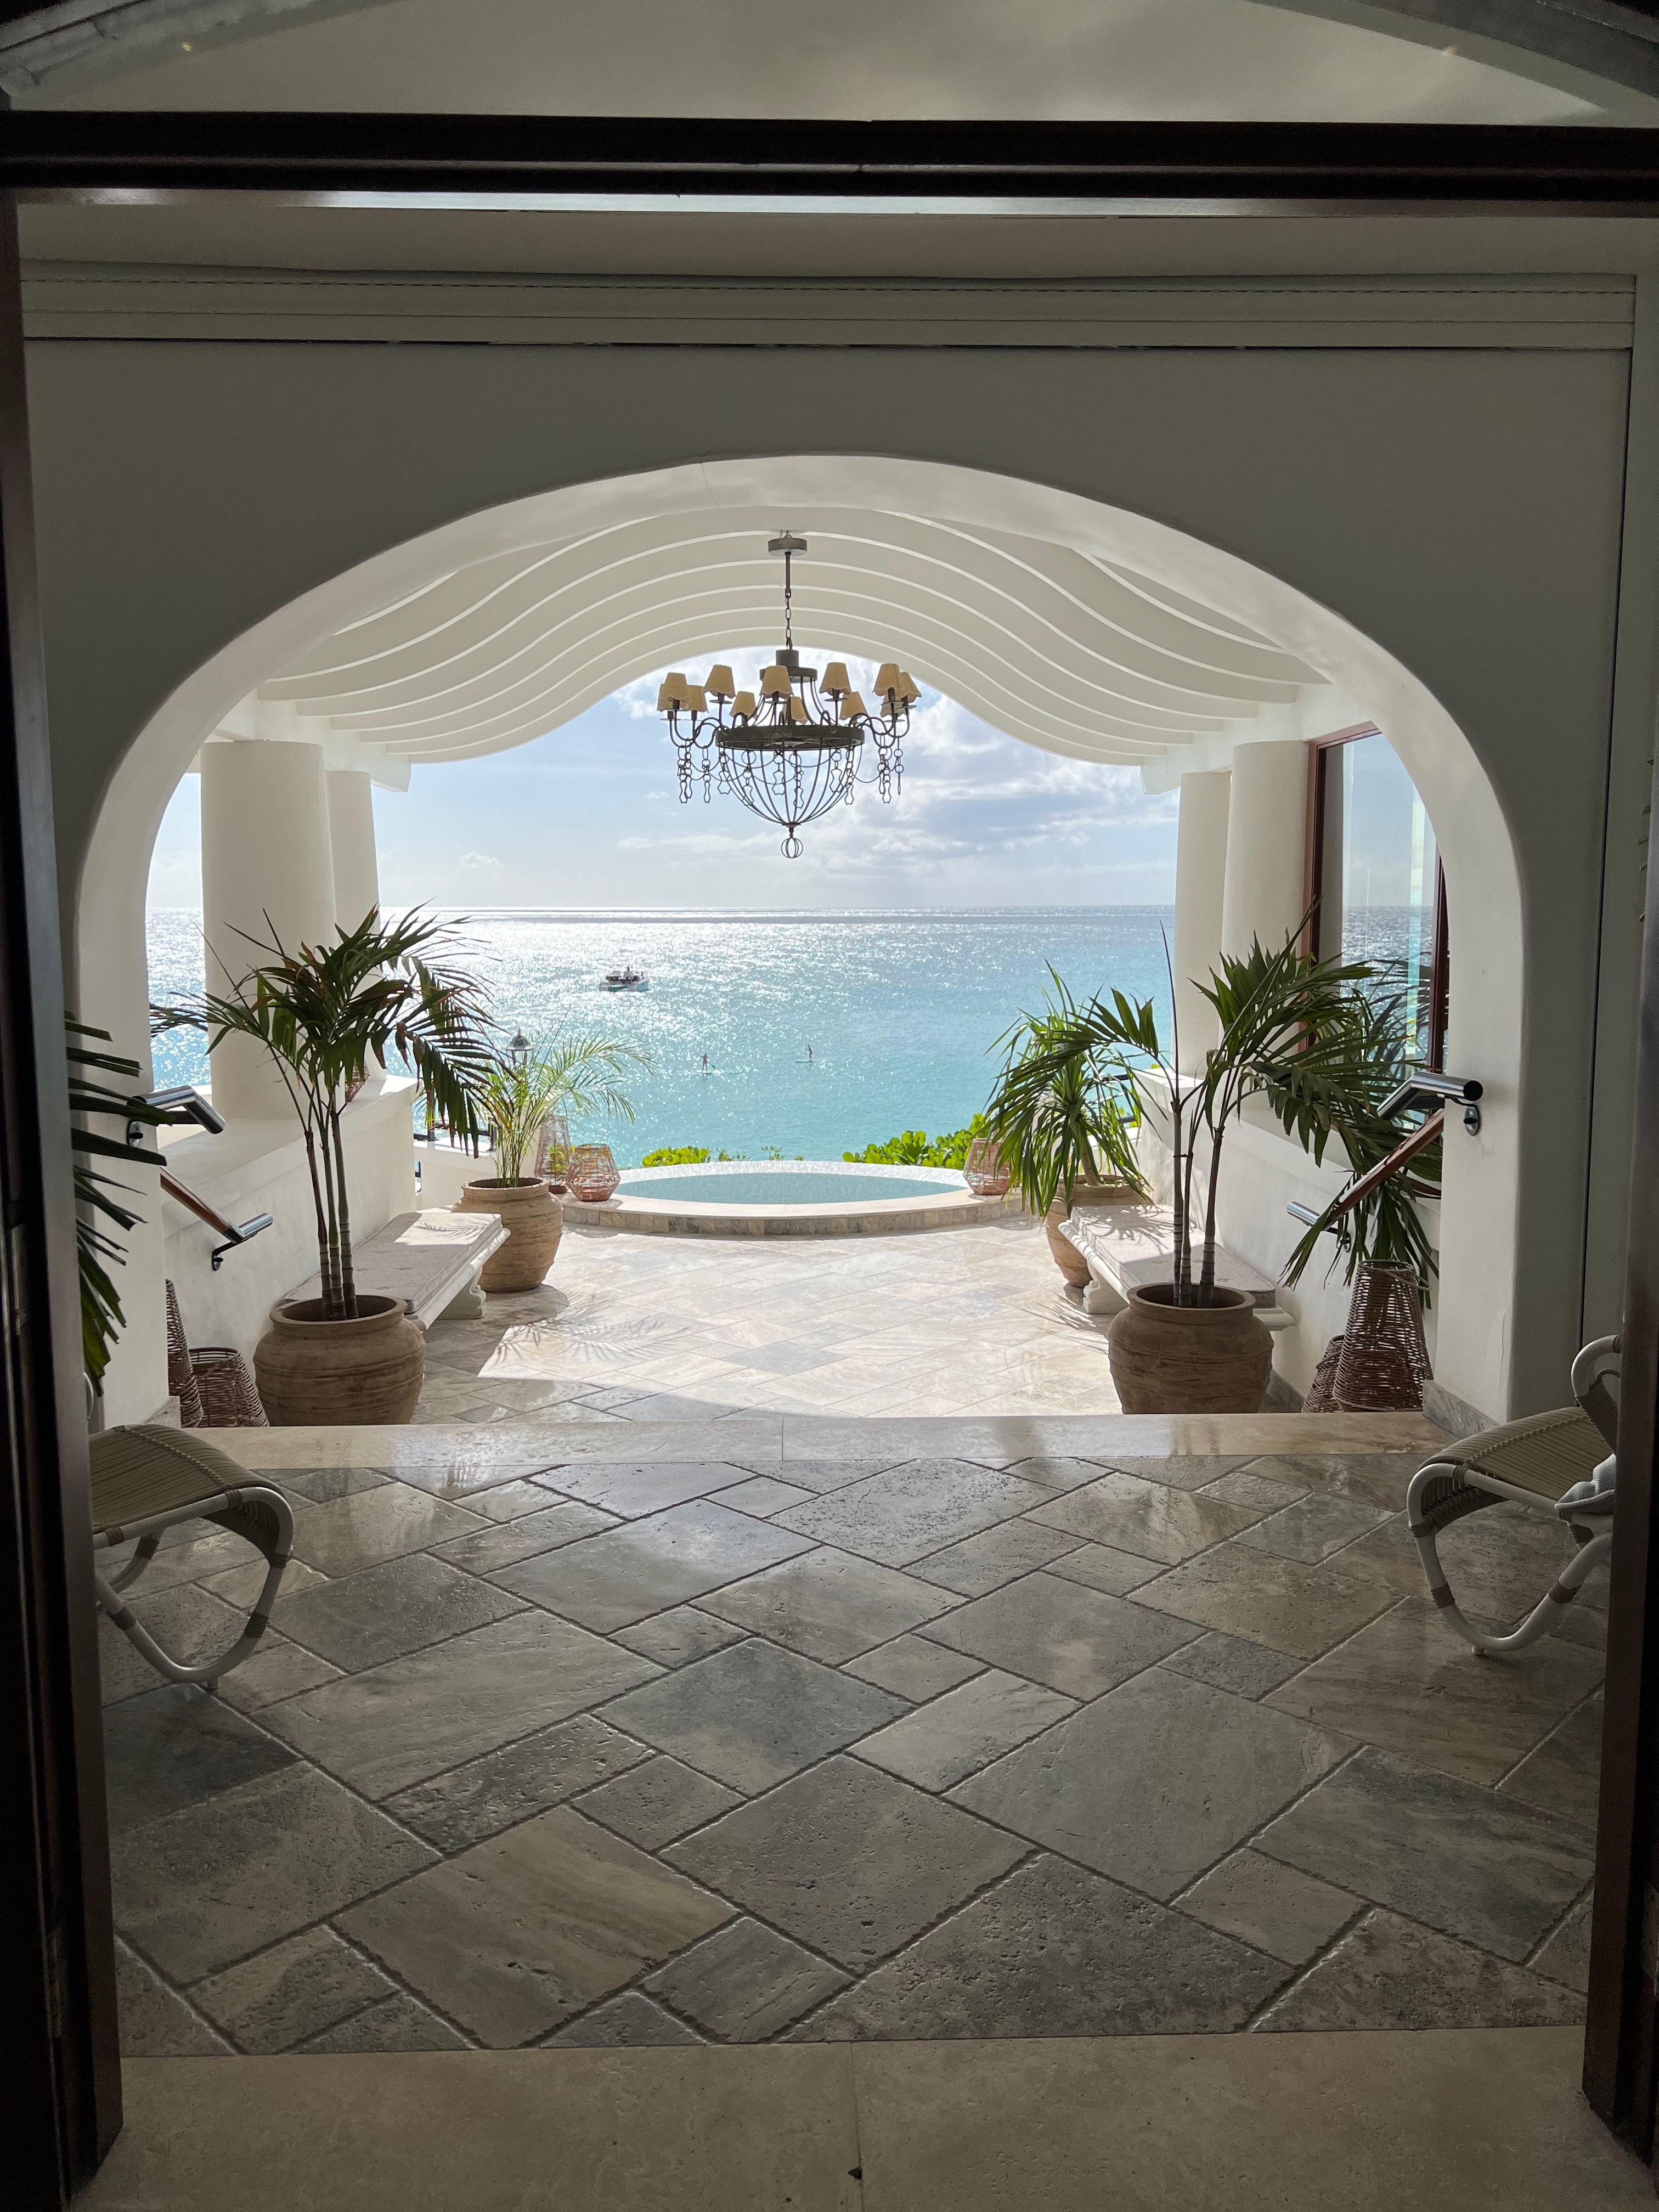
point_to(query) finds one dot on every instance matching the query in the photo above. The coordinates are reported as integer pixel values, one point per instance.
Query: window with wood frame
(1375, 882)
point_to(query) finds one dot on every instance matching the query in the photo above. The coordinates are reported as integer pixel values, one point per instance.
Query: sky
(590, 816)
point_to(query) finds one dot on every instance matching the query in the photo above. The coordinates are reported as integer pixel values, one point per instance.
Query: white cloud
(480, 863)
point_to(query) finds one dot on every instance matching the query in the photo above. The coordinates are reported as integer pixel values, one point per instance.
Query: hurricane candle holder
(986, 1173)
(592, 1174)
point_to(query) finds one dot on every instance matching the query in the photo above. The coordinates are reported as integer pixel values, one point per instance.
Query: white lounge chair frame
(148, 1479)
(1532, 1462)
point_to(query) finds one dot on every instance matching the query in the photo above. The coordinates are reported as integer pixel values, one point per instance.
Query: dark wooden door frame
(58, 2011)
(1622, 2049)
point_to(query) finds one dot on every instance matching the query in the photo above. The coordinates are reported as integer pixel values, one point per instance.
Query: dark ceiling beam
(1235, 167)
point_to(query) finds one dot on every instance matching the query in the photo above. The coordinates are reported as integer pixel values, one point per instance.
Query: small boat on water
(623, 979)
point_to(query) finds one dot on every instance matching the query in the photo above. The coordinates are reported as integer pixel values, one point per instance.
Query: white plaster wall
(1437, 533)
(259, 1167)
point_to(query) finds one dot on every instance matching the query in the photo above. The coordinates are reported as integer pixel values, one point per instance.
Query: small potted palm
(1295, 1034)
(524, 1088)
(1070, 1136)
(325, 1014)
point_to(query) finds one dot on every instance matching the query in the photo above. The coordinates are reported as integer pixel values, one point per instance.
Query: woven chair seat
(139, 1472)
(1544, 1455)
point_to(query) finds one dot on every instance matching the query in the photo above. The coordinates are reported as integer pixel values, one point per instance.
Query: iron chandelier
(798, 750)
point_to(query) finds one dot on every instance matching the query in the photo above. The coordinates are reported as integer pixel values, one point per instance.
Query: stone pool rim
(956, 1206)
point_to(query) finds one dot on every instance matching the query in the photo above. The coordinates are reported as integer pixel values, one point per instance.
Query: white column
(267, 864)
(351, 827)
(1201, 873)
(1267, 847)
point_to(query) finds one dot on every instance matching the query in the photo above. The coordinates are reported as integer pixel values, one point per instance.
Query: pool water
(738, 1186)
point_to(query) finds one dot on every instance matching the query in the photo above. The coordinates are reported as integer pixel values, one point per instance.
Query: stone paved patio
(948, 1322)
(811, 1731)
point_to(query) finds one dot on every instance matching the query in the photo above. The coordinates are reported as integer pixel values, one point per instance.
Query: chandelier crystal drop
(798, 750)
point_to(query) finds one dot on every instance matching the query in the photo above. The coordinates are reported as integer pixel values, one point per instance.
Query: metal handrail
(1403, 1153)
(231, 1234)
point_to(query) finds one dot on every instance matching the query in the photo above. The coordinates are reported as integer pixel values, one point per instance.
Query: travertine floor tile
(367, 1526)
(504, 1787)
(175, 1746)
(1078, 1641)
(752, 1714)
(1278, 1909)
(913, 1510)
(1155, 1782)
(436, 1709)
(523, 1931)
(629, 2022)
(1055, 1951)
(1131, 1515)
(1451, 1855)
(612, 1580)
(954, 1736)
(293, 1991)
(983, 1562)
(366, 1618)
(657, 1803)
(1278, 1602)
(1563, 1775)
(745, 1983)
(1391, 1973)
(1407, 1682)
(848, 1860)
(830, 1605)
(231, 1875)
(913, 1668)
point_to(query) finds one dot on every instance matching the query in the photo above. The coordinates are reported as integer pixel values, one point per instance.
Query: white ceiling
(1075, 654)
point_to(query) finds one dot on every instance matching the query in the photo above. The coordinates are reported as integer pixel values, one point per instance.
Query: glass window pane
(1388, 878)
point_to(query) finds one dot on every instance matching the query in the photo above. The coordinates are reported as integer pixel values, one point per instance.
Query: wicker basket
(986, 1172)
(1322, 1391)
(1380, 1362)
(592, 1175)
(553, 1150)
(225, 1381)
(181, 1375)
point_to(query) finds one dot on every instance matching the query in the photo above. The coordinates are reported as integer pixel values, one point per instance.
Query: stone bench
(1127, 1246)
(432, 1259)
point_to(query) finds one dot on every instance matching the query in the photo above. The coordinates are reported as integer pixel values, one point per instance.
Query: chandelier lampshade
(798, 749)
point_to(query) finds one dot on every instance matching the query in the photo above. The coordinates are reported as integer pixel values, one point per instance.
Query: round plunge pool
(785, 1198)
(744, 1184)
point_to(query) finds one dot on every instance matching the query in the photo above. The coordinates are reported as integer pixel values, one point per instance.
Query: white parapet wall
(259, 1167)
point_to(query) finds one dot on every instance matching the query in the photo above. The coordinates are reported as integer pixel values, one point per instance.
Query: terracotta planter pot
(1167, 1359)
(1069, 1261)
(334, 1374)
(534, 1221)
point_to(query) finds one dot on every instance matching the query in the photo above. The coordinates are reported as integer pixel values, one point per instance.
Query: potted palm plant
(1297, 1034)
(1069, 1136)
(524, 1087)
(325, 1014)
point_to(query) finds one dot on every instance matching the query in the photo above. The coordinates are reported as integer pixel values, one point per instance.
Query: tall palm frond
(325, 1014)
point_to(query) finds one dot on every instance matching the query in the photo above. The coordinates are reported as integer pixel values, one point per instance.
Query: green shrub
(677, 1156)
(916, 1149)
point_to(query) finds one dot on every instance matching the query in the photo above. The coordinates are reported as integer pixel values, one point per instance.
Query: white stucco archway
(1480, 1206)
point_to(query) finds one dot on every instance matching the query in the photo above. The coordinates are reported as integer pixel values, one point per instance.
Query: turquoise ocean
(898, 1010)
